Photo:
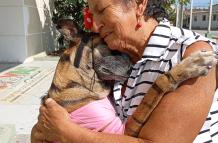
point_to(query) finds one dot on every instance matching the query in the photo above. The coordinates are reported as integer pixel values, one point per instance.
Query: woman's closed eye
(101, 10)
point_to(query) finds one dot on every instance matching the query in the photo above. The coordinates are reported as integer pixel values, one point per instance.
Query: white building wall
(25, 29)
(215, 22)
(200, 23)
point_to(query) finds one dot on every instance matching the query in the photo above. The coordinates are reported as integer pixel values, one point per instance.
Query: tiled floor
(21, 95)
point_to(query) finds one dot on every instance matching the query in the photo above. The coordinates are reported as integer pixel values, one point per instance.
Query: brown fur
(76, 84)
(74, 87)
(195, 65)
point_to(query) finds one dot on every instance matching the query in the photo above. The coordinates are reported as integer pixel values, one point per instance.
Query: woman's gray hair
(155, 8)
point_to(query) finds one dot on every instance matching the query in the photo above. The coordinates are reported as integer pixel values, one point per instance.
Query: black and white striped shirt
(165, 49)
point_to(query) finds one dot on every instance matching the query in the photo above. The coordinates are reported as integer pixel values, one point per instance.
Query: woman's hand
(53, 120)
(36, 135)
(54, 124)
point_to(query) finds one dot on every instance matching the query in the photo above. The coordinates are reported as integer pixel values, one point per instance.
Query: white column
(25, 28)
(177, 14)
(12, 35)
(181, 10)
(191, 7)
(210, 15)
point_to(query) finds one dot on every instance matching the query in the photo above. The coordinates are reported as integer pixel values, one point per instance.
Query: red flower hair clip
(88, 18)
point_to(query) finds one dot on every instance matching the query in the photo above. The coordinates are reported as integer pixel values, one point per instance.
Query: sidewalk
(21, 90)
(6, 65)
(213, 32)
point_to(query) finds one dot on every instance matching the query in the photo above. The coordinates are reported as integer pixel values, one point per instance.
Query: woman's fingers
(51, 118)
(44, 114)
(42, 109)
(38, 136)
(54, 110)
(51, 104)
(50, 121)
(39, 126)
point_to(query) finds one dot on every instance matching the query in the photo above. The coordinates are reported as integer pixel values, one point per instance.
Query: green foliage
(172, 10)
(185, 2)
(73, 9)
(69, 9)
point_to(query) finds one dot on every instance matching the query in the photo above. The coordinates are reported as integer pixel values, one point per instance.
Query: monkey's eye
(105, 70)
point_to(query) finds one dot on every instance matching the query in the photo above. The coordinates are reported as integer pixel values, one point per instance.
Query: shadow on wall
(49, 31)
(41, 32)
(26, 29)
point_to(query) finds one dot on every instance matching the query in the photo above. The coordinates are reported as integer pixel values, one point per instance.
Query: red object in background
(88, 18)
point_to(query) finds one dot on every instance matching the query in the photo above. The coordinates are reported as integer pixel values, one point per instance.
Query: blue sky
(203, 3)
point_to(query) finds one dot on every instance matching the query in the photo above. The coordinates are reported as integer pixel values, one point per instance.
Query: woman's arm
(180, 115)
(177, 119)
(83, 135)
(55, 125)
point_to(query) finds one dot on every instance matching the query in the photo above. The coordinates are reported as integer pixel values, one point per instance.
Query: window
(203, 17)
(195, 18)
(214, 17)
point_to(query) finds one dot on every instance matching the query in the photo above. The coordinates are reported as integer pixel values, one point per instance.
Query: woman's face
(114, 22)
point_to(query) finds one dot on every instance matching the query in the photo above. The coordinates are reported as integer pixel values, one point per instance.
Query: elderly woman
(188, 114)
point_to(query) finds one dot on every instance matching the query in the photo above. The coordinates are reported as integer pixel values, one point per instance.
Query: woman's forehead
(95, 3)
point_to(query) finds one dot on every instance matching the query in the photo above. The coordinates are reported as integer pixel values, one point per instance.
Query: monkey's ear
(68, 25)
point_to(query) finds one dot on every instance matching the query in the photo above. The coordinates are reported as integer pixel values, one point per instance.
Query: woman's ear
(141, 6)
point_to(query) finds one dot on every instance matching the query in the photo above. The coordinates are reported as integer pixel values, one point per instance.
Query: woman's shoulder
(190, 39)
(187, 37)
(181, 32)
